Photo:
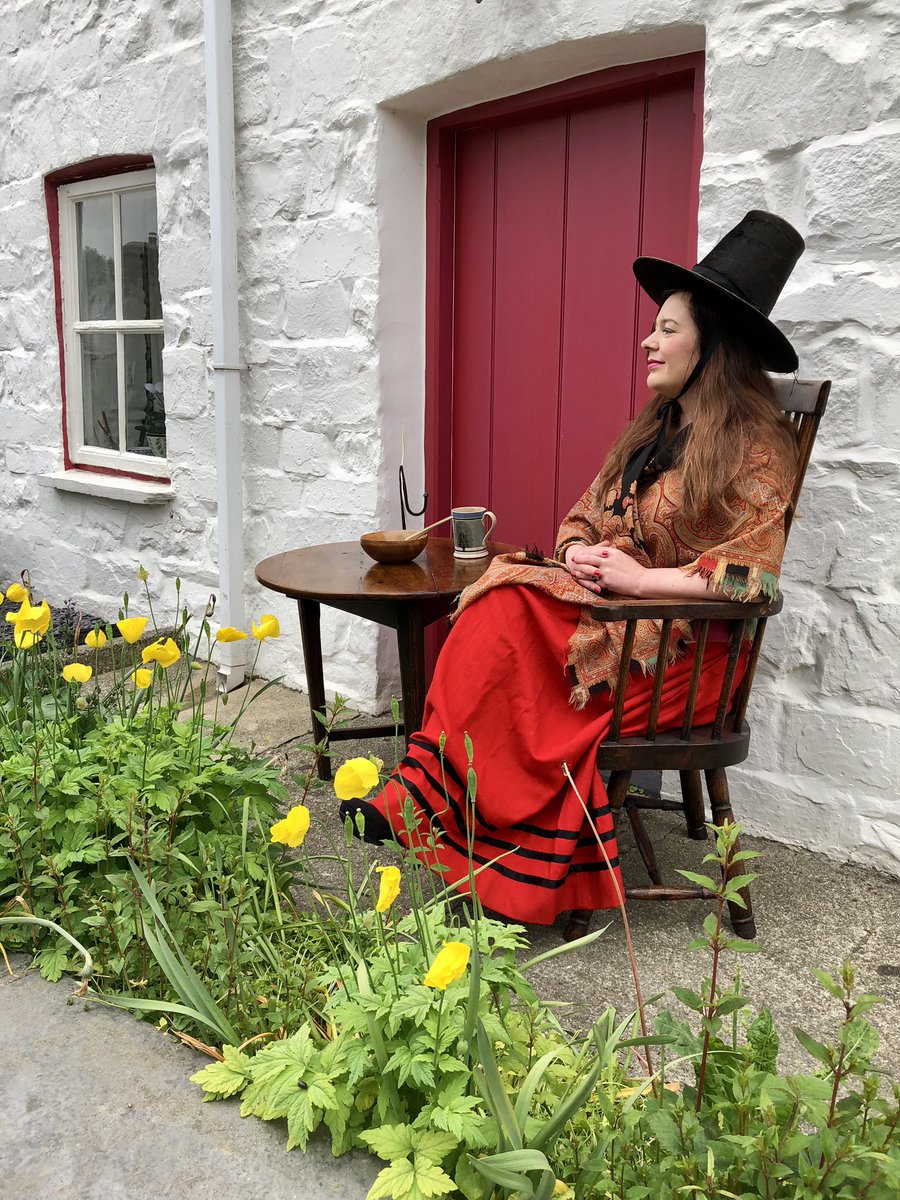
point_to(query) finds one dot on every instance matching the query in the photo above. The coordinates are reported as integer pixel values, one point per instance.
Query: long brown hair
(735, 403)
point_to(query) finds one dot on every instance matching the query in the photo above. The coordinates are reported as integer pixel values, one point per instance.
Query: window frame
(67, 192)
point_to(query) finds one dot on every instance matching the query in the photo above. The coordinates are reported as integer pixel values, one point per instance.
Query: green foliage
(97, 779)
(145, 838)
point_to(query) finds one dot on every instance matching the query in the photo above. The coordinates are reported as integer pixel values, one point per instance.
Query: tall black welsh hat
(742, 275)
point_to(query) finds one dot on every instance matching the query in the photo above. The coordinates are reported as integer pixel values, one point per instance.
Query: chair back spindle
(662, 661)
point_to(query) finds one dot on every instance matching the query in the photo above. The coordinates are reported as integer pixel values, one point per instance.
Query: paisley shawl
(740, 558)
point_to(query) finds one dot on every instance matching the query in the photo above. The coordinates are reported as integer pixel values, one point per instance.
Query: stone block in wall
(262, 443)
(262, 310)
(795, 810)
(728, 191)
(272, 179)
(359, 170)
(865, 537)
(317, 310)
(308, 69)
(24, 459)
(861, 296)
(186, 381)
(343, 497)
(861, 660)
(852, 752)
(305, 453)
(358, 454)
(813, 543)
(878, 838)
(251, 99)
(275, 393)
(782, 97)
(846, 358)
(341, 246)
(363, 306)
(18, 492)
(852, 196)
(794, 638)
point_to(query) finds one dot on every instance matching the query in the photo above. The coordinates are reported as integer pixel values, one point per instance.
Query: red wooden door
(538, 205)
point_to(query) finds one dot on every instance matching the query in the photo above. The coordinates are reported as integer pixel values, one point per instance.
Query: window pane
(96, 272)
(140, 257)
(99, 389)
(145, 415)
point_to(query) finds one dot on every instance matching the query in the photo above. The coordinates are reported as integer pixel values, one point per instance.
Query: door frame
(439, 223)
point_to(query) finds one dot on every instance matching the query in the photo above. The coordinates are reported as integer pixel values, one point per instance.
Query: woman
(691, 500)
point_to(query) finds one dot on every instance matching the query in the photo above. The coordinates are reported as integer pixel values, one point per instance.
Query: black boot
(375, 828)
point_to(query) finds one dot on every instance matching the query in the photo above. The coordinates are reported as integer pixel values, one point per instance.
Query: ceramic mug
(472, 526)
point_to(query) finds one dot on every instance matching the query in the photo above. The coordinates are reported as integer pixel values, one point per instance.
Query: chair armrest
(629, 608)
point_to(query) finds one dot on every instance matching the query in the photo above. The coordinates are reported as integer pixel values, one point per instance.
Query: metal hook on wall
(405, 509)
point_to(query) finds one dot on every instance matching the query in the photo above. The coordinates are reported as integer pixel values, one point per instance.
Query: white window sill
(109, 487)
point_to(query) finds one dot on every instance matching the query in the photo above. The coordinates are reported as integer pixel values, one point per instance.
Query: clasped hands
(605, 567)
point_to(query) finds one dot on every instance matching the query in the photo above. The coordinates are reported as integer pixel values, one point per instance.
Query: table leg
(315, 679)
(411, 643)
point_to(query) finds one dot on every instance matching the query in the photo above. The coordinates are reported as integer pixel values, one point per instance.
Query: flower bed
(134, 832)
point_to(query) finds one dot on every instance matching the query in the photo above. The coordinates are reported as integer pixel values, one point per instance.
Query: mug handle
(488, 529)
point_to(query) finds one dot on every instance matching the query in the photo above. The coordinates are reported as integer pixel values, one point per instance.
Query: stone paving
(95, 1104)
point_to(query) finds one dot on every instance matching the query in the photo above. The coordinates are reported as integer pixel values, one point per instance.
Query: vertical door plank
(531, 163)
(473, 318)
(600, 292)
(668, 191)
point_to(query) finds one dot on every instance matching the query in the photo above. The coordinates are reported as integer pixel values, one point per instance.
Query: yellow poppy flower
(2, 597)
(268, 627)
(230, 634)
(164, 651)
(96, 639)
(131, 628)
(33, 618)
(77, 673)
(16, 594)
(449, 964)
(389, 888)
(293, 828)
(141, 678)
(355, 778)
(24, 638)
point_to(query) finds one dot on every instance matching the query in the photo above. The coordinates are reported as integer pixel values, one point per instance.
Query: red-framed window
(105, 246)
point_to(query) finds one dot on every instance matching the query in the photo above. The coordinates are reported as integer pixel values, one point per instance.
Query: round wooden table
(405, 597)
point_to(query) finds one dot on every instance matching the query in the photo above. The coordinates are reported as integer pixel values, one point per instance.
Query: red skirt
(501, 678)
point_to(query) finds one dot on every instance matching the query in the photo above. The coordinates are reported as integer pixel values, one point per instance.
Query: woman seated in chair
(690, 503)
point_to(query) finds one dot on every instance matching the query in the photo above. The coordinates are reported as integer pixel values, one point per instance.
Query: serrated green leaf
(389, 1141)
(223, 1079)
(434, 1145)
(403, 1180)
(52, 962)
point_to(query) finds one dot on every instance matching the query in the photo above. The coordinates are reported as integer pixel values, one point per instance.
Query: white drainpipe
(226, 338)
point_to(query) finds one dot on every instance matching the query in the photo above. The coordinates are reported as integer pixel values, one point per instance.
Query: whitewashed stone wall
(332, 97)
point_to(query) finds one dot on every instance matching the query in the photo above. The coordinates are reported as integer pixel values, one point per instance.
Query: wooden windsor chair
(692, 749)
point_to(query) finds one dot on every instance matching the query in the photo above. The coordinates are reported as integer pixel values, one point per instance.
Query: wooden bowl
(394, 546)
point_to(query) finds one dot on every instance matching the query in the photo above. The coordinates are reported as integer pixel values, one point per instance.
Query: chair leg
(694, 808)
(616, 790)
(644, 844)
(742, 921)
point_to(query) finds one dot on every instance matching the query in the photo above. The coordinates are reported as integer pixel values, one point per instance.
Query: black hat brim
(658, 278)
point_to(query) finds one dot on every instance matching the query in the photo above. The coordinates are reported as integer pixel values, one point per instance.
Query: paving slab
(98, 1106)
